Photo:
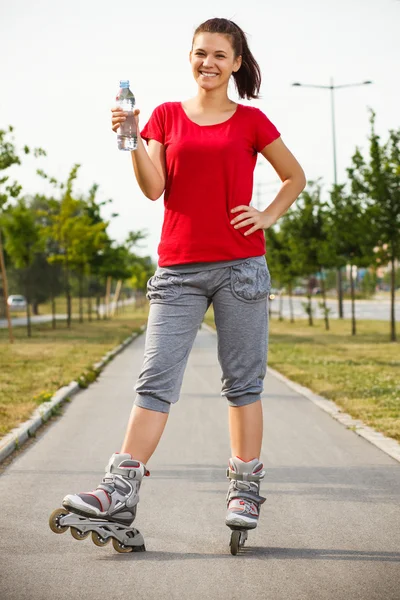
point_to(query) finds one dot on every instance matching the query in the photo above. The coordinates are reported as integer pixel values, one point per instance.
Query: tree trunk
(53, 312)
(89, 299)
(325, 308)
(353, 304)
(28, 306)
(80, 284)
(5, 291)
(35, 307)
(310, 316)
(68, 296)
(392, 301)
(340, 292)
(291, 303)
(280, 306)
(98, 307)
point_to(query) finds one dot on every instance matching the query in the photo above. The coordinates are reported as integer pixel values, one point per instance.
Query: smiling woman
(201, 154)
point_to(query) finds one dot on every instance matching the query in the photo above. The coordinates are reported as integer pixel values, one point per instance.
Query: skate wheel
(54, 520)
(235, 542)
(79, 535)
(121, 547)
(98, 540)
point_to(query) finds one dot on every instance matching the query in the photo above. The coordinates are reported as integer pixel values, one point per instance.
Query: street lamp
(332, 88)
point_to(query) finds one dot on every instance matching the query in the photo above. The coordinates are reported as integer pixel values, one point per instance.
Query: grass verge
(32, 369)
(360, 374)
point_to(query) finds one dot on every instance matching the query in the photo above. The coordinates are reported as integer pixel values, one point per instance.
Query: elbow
(154, 195)
(300, 181)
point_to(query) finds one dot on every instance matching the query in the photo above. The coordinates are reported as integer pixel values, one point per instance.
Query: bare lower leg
(246, 430)
(143, 433)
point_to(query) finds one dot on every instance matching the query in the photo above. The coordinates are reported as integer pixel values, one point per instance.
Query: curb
(384, 443)
(18, 436)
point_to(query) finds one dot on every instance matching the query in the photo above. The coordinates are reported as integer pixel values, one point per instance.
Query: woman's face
(212, 60)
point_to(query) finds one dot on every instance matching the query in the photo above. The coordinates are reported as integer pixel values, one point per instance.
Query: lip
(208, 73)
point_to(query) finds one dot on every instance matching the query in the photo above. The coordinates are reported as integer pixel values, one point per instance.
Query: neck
(215, 100)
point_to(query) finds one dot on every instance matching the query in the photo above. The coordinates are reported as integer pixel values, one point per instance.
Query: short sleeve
(154, 128)
(265, 131)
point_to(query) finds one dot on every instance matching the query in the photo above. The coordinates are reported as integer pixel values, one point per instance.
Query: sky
(61, 63)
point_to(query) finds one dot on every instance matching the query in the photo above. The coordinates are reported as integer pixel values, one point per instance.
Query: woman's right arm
(149, 167)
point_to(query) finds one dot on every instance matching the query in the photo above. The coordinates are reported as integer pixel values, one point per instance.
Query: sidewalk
(330, 528)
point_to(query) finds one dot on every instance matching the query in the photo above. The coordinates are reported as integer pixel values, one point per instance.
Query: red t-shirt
(209, 172)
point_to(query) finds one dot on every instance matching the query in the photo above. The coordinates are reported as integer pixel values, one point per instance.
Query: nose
(208, 61)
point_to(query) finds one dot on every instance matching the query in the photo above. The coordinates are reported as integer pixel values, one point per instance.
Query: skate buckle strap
(106, 488)
(243, 494)
(244, 476)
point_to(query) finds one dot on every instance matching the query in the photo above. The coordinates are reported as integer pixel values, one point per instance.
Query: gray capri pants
(179, 297)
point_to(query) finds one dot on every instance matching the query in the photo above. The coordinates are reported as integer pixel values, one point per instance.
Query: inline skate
(243, 499)
(109, 511)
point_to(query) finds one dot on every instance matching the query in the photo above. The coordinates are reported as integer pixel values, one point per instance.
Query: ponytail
(248, 77)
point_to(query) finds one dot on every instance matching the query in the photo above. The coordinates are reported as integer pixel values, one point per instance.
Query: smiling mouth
(205, 74)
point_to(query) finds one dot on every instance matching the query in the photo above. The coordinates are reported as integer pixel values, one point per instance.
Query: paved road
(365, 309)
(330, 529)
(20, 321)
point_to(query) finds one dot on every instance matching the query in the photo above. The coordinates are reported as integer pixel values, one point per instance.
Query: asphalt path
(330, 528)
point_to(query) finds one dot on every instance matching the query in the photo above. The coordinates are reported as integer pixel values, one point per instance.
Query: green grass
(32, 369)
(360, 373)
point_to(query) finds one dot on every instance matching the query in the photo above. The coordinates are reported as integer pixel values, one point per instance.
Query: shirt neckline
(214, 124)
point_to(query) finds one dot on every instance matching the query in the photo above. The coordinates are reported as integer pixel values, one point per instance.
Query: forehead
(212, 42)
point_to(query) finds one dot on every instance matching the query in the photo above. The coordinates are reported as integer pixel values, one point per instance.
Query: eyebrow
(216, 52)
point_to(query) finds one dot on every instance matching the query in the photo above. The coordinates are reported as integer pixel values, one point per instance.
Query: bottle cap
(124, 83)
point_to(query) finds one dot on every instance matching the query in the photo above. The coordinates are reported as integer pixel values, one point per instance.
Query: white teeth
(208, 74)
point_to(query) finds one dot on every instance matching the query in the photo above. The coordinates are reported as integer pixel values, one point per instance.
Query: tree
(309, 243)
(22, 243)
(9, 157)
(280, 258)
(349, 235)
(378, 179)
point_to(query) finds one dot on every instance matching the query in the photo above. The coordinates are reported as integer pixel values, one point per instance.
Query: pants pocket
(164, 286)
(251, 281)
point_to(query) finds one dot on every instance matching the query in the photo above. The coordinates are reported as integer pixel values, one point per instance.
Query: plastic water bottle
(127, 133)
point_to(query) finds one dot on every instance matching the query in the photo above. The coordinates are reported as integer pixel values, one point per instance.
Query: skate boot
(108, 511)
(243, 499)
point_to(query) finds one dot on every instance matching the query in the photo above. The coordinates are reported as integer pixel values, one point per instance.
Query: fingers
(244, 223)
(245, 215)
(119, 116)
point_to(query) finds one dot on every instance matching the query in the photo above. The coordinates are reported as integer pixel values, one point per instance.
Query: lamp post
(332, 88)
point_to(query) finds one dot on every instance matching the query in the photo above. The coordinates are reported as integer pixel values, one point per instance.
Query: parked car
(16, 302)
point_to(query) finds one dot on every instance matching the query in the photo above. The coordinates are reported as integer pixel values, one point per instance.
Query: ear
(237, 64)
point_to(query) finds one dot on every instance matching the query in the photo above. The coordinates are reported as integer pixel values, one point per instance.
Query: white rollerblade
(109, 511)
(243, 499)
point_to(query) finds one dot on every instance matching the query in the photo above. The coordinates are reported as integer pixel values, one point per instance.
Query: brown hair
(248, 77)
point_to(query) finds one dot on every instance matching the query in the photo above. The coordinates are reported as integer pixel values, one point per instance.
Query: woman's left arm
(293, 183)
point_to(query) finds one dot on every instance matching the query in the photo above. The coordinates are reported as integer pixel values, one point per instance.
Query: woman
(202, 154)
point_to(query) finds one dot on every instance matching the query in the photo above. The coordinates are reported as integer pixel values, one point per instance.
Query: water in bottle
(127, 133)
